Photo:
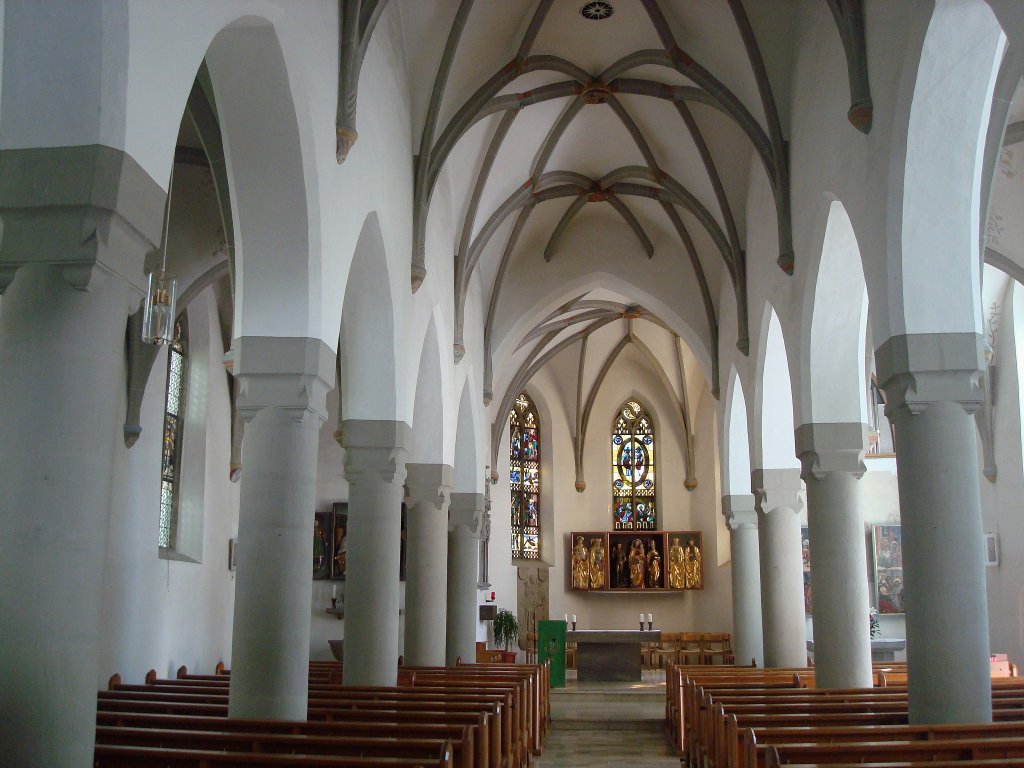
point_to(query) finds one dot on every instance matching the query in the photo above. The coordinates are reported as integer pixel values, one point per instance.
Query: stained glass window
(633, 507)
(174, 420)
(524, 478)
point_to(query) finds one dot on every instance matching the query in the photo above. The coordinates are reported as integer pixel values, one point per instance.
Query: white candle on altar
(574, 618)
(650, 618)
(567, 618)
(641, 617)
(334, 590)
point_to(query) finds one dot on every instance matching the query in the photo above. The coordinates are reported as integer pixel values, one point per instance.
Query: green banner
(551, 645)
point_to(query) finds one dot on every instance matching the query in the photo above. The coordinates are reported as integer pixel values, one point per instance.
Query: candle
(334, 590)
(650, 618)
(641, 617)
(574, 618)
(567, 618)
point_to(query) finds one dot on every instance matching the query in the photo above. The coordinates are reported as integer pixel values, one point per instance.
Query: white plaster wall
(159, 613)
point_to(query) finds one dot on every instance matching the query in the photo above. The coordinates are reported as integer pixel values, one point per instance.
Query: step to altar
(610, 705)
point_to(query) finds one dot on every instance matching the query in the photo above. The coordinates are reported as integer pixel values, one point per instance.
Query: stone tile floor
(608, 745)
(601, 725)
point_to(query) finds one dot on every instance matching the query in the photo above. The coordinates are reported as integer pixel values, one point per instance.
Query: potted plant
(506, 632)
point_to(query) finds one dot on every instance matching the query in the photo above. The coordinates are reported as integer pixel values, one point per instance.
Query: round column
(747, 640)
(465, 515)
(777, 492)
(931, 382)
(426, 583)
(375, 454)
(62, 381)
(832, 456)
(284, 409)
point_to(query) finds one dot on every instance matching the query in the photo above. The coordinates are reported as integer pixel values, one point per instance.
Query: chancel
(693, 323)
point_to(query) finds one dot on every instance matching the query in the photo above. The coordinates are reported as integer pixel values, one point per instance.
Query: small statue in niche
(653, 566)
(676, 565)
(596, 564)
(580, 565)
(637, 564)
(620, 576)
(694, 578)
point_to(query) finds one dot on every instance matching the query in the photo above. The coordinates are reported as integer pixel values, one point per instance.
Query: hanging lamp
(162, 291)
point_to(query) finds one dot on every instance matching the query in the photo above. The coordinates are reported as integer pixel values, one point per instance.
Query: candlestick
(650, 618)
(574, 618)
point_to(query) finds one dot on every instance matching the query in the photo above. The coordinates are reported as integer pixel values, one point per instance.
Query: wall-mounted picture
(805, 547)
(322, 533)
(337, 552)
(887, 545)
(339, 541)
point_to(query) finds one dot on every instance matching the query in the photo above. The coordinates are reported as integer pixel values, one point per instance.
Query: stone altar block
(609, 655)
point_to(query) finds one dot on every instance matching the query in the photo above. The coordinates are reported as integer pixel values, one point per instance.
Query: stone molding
(375, 450)
(776, 489)
(465, 514)
(918, 369)
(428, 484)
(291, 373)
(739, 511)
(78, 208)
(825, 448)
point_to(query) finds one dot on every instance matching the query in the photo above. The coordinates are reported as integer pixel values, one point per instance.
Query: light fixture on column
(162, 292)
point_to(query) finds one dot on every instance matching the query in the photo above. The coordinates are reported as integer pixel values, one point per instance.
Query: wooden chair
(667, 652)
(691, 649)
(716, 645)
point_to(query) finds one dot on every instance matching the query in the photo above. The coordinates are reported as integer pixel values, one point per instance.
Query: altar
(609, 655)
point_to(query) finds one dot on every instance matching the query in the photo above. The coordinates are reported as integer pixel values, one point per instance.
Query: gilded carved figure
(694, 577)
(637, 564)
(620, 563)
(676, 565)
(653, 566)
(580, 565)
(596, 564)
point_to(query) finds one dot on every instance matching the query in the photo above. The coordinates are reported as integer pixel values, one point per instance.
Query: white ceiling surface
(596, 141)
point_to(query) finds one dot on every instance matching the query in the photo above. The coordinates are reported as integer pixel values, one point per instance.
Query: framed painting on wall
(323, 533)
(339, 541)
(805, 548)
(887, 546)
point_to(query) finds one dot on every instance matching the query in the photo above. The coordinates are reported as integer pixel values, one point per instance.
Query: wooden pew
(432, 751)
(120, 756)
(895, 752)
(757, 740)
(461, 736)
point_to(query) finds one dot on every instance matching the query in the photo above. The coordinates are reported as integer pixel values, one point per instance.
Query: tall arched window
(633, 505)
(524, 477)
(174, 422)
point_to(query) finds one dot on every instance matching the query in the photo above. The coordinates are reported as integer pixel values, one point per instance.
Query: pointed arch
(774, 445)
(367, 341)
(736, 445)
(428, 407)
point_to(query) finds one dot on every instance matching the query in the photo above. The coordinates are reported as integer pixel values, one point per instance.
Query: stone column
(464, 522)
(832, 456)
(76, 223)
(931, 386)
(375, 453)
(283, 385)
(777, 493)
(747, 640)
(426, 582)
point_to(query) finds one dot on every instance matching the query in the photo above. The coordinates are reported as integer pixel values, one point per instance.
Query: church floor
(599, 725)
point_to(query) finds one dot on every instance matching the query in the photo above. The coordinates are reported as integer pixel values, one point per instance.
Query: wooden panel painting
(336, 528)
(323, 529)
(805, 547)
(887, 546)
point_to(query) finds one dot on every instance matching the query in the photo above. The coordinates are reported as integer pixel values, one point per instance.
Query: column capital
(375, 451)
(465, 513)
(776, 489)
(428, 484)
(289, 373)
(78, 208)
(918, 369)
(826, 448)
(739, 511)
